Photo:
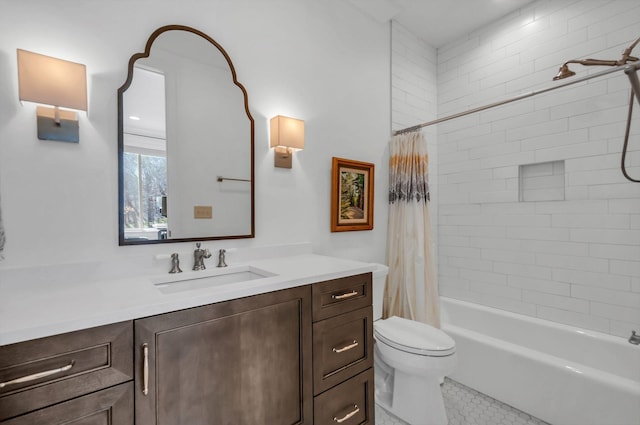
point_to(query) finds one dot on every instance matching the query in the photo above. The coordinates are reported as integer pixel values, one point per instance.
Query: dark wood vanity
(302, 355)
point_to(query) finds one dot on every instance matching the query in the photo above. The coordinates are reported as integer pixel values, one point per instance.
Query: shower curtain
(412, 290)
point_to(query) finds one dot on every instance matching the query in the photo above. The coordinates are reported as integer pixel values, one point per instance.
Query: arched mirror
(185, 143)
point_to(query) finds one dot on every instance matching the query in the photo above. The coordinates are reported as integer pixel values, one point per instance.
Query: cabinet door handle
(349, 415)
(354, 344)
(345, 295)
(38, 375)
(145, 368)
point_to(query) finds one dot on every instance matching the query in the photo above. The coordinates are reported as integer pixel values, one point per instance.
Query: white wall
(323, 62)
(575, 261)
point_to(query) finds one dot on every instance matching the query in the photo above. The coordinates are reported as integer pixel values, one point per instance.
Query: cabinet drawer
(113, 406)
(342, 348)
(338, 296)
(350, 403)
(45, 371)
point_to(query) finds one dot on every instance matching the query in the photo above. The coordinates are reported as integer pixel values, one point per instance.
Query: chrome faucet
(221, 262)
(634, 338)
(198, 257)
(175, 263)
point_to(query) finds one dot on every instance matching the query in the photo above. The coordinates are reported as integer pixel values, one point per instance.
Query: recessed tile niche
(543, 181)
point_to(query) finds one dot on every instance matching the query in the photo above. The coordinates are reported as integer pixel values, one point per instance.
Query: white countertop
(34, 309)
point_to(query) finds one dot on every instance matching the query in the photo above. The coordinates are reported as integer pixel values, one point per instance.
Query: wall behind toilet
(323, 62)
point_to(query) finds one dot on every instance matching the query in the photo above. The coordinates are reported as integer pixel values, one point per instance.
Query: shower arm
(591, 62)
(625, 59)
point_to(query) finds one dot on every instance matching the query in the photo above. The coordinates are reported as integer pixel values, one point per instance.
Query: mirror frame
(123, 88)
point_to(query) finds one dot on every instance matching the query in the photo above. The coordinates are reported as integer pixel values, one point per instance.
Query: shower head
(564, 72)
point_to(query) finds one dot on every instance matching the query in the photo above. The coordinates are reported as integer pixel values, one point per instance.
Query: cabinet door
(245, 361)
(113, 406)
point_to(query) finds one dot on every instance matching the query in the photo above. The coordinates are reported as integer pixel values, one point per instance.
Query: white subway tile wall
(573, 261)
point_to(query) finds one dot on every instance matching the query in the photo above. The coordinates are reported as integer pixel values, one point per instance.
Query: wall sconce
(56, 82)
(286, 134)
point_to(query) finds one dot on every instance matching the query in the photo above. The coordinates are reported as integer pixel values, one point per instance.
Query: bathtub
(557, 373)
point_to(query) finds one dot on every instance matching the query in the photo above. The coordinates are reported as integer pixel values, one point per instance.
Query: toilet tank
(379, 279)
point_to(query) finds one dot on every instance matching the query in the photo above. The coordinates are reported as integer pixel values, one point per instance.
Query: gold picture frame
(351, 195)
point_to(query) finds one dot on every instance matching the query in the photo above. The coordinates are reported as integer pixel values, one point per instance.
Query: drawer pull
(145, 368)
(38, 375)
(349, 415)
(345, 295)
(354, 344)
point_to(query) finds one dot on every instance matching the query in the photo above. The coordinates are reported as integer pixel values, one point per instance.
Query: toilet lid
(414, 337)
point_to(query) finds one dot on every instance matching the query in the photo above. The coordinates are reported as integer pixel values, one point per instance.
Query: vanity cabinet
(343, 351)
(82, 377)
(244, 361)
(302, 355)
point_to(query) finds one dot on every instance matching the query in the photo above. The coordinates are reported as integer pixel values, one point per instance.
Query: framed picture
(351, 195)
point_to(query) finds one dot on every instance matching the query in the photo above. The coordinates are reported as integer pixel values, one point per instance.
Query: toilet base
(416, 400)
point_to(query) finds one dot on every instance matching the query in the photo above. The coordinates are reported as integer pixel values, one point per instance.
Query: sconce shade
(51, 81)
(286, 132)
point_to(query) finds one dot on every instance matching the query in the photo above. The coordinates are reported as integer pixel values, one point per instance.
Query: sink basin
(205, 279)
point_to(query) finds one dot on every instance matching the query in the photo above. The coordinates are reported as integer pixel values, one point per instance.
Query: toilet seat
(414, 337)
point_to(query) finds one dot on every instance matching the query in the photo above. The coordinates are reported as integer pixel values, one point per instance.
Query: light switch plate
(202, 211)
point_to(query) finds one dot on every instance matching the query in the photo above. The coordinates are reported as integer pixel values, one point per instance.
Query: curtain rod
(634, 66)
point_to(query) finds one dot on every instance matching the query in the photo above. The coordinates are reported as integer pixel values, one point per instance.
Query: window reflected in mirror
(145, 157)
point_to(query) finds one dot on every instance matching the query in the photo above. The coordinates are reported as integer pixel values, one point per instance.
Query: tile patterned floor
(466, 406)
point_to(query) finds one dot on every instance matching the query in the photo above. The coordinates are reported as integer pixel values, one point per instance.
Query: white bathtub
(560, 374)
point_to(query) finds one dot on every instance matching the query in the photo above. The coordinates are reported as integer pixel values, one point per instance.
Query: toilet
(410, 361)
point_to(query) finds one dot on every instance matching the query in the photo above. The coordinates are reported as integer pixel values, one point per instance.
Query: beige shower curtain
(412, 290)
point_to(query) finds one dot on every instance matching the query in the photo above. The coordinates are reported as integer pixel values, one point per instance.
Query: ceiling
(439, 22)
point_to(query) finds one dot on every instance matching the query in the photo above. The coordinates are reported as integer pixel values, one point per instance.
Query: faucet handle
(175, 263)
(221, 261)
